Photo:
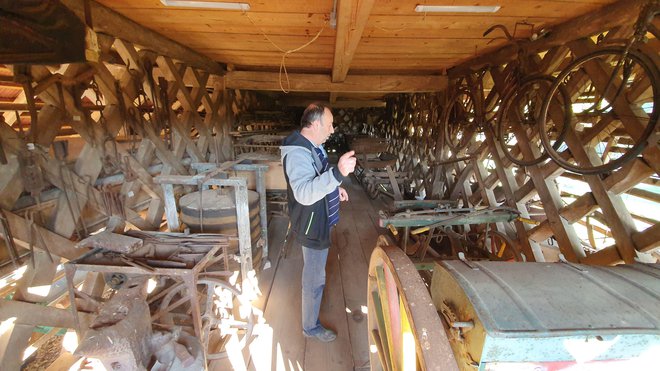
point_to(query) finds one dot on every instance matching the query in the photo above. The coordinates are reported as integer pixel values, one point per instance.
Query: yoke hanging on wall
(40, 31)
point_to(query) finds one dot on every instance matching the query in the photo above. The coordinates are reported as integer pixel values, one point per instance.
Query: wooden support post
(616, 214)
(263, 213)
(171, 213)
(531, 249)
(564, 233)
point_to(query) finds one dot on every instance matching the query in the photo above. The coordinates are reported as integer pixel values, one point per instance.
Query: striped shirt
(332, 197)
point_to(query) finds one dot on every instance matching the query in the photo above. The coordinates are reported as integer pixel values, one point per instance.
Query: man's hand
(346, 164)
(343, 195)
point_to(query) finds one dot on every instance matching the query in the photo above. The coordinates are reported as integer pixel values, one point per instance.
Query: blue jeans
(313, 282)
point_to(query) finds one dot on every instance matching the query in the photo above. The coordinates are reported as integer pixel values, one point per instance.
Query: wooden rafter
(352, 16)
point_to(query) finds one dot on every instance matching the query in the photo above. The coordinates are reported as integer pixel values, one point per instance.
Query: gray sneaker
(323, 334)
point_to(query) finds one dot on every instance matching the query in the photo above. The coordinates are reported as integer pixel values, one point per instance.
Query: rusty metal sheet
(538, 296)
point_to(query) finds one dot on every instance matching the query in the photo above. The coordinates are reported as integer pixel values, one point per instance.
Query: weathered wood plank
(351, 18)
(283, 313)
(617, 183)
(36, 314)
(12, 344)
(353, 267)
(357, 84)
(333, 314)
(36, 283)
(57, 244)
(647, 240)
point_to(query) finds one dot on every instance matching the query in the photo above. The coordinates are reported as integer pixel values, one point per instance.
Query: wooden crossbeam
(459, 185)
(531, 250)
(616, 214)
(354, 103)
(270, 81)
(616, 183)
(563, 231)
(9, 117)
(57, 244)
(190, 104)
(645, 241)
(217, 105)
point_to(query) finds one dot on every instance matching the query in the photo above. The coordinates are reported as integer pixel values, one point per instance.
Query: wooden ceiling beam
(351, 18)
(270, 81)
(106, 20)
(353, 103)
(610, 16)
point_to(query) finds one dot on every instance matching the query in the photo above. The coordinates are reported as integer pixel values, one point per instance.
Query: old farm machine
(461, 314)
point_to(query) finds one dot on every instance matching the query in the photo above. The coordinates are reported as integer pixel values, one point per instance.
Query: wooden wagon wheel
(372, 189)
(499, 246)
(404, 325)
(225, 313)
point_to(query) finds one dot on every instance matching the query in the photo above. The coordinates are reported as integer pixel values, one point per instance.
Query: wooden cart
(374, 169)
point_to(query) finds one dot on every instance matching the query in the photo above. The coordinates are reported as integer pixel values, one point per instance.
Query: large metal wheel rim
(208, 322)
(431, 344)
(508, 101)
(652, 72)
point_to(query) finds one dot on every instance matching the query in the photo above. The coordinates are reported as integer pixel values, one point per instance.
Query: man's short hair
(312, 113)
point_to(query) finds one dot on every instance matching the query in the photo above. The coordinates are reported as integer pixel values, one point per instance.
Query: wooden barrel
(219, 212)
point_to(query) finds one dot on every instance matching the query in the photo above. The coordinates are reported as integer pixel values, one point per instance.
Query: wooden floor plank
(334, 355)
(353, 270)
(357, 196)
(276, 235)
(262, 333)
(283, 316)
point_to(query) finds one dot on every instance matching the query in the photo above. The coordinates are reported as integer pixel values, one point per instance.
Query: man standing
(313, 194)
